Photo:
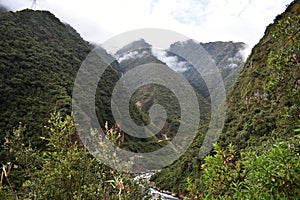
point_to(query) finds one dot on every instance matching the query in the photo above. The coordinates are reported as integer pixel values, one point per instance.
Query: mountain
(39, 60)
(257, 155)
(41, 154)
(262, 114)
(139, 53)
(226, 56)
(134, 54)
(135, 45)
(264, 101)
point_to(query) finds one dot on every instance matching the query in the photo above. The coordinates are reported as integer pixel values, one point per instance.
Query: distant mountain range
(227, 57)
(41, 56)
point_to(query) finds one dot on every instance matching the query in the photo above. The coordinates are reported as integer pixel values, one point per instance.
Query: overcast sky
(202, 20)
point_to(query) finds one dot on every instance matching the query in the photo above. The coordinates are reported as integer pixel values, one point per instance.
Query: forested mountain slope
(264, 101)
(262, 111)
(256, 157)
(39, 60)
(41, 155)
(138, 53)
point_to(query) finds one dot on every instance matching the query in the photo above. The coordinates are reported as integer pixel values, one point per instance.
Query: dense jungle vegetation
(256, 157)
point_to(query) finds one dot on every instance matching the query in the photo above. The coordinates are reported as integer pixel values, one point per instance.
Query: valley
(252, 153)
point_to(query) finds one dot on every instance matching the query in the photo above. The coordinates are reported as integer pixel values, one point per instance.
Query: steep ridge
(262, 105)
(226, 55)
(133, 55)
(138, 53)
(264, 101)
(39, 60)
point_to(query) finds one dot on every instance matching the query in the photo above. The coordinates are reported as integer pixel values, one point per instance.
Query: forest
(257, 155)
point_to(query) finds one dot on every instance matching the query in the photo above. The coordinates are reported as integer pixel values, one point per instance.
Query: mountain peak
(135, 45)
(189, 42)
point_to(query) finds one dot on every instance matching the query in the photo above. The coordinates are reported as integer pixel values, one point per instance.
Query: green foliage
(192, 188)
(221, 172)
(38, 62)
(276, 172)
(68, 172)
(64, 171)
(174, 177)
(281, 62)
(262, 109)
(39, 59)
(272, 175)
(265, 98)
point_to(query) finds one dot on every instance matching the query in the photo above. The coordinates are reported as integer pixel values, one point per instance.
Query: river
(144, 178)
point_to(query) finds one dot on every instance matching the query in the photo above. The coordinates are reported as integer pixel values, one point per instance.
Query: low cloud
(205, 20)
(131, 55)
(237, 59)
(171, 61)
(246, 51)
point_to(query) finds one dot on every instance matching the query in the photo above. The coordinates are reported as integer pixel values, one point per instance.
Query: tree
(64, 170)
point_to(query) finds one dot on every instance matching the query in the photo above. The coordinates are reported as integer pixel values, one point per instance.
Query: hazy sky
(203, 20)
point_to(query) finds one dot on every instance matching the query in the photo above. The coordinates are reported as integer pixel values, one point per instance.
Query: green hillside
(262, 111)
(264, 102)
(41, 154)
(39, 59)
(257, 155)
(139, 53)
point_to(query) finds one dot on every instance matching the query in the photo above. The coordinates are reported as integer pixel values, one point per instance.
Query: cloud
(132, 55)
(245, 52)
(171, 61)
(236, 59)
(203, 20)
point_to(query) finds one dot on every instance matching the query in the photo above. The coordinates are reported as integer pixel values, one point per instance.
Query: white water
(155, 194)
(159, 195)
